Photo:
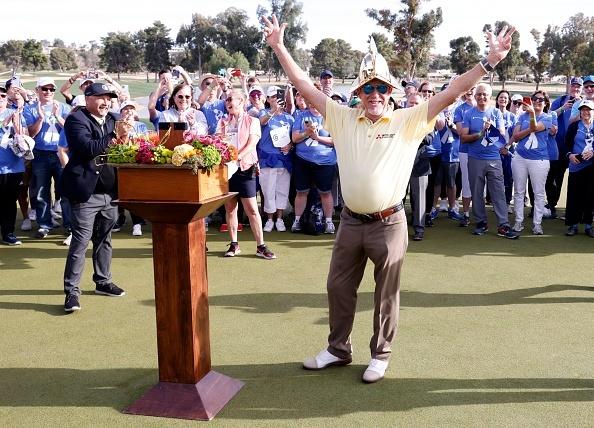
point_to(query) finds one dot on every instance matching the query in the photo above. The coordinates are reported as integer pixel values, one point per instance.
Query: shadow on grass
(285, 302)
(286, 391)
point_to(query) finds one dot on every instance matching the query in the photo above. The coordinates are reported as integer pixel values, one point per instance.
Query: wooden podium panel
(176, 201)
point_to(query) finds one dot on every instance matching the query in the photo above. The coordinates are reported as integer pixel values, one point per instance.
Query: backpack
(312, 219)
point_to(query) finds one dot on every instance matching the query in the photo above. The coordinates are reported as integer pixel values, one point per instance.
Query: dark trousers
(555, 181)
(435, 162)
(9, 190)
(580, 197)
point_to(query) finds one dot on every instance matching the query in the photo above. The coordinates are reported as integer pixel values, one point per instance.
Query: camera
(92, 74)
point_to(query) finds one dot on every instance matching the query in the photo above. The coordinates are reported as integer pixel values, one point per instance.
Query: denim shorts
(306, 173)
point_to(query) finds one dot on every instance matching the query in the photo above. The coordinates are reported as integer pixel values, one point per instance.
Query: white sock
(297, 217)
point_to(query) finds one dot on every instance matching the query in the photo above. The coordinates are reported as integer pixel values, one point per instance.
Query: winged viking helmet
(373, 66)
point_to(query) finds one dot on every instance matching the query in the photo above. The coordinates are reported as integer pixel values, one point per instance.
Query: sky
(67, 20)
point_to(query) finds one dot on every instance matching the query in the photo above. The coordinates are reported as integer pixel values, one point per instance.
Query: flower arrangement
(198, 151)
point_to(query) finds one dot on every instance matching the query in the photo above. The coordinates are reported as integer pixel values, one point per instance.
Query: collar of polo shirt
(386, 115)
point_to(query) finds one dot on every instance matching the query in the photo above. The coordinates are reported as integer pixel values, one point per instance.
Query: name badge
(280, 136)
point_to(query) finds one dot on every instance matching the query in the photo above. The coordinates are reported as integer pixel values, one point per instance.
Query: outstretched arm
(499, 46)
(274, 34)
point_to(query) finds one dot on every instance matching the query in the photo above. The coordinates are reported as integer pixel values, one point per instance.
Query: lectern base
(200, 401)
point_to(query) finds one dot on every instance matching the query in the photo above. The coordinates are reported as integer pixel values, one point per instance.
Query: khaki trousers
(384, 243)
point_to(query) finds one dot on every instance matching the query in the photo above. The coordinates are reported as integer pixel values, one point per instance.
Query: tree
(59, 43)
(233, 33)
(33, 57)
(568, 44)
(122, 52)
(413, 35)
(197, 38)
(506, 69)
(238, 60)
(540, 63)
(303, 58)
(324, 56)
(156, 43)
(219, 60)
(288, 11)
(11, 53)
(87, 57)
(439, 62)
(62, 59)
(464, 54)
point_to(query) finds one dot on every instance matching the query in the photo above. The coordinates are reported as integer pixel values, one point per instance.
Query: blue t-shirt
(458, 118)
(450, 144)
(311, 150)
(9, 162)
(563, 121)
(535, 146)
(474, 120)
(584, 137)
(213, 111)
(49, 134)
(270, 156)
(434, 149)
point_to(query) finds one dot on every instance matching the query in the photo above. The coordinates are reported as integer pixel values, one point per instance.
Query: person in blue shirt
(562, 107)
(468, 102)
(45, 119)
(503, 103)
(212, 89)
(12, 169)
(579, 140)
(588, 95)
(275, 163)
(314, 161)
(483, 128)
(531, 159)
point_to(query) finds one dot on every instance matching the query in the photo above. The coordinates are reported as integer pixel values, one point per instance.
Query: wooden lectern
(175, 200)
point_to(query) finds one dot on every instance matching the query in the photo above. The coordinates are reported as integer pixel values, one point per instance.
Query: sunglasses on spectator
(255, 94)
(427, 91)
(47, 89)
(517, 103)
(3, 96)
(369, 88)
(538, 99)
(588, 86)
(184, 97)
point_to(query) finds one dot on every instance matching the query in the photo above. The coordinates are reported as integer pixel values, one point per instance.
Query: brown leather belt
(367, 218)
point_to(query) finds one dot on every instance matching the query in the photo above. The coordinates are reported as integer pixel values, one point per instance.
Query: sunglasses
(47, 89)
(538, 99)
(588, 86)
(369, 88)
(184, 97)
(3, 96)
(255, 94)
(427, 91)
(517, 103)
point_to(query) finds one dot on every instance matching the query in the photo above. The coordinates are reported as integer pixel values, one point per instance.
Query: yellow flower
(177, 159)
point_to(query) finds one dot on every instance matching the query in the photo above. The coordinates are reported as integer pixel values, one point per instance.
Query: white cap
(586, 103)
(45, 81)
(128, 104)
(516, 97)
(272, 91)
(84, 80)
(256, 88)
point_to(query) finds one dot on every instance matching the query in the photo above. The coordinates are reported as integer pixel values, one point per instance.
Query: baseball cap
(325, 73)
(516, 97)
(128, 104)
(342, 97)
(409, 82)
(83, 81)
(257, 88)
(272, 91)
(45, 81)
(354, 101)
(14, 80)
(586, 103)
(576, 81)
(97, 89)
(589, 78)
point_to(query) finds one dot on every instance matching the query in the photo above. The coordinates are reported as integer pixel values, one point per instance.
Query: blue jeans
(45, 166)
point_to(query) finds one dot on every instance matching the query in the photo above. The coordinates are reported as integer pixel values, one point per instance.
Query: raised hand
(500, 45)
(273, 32)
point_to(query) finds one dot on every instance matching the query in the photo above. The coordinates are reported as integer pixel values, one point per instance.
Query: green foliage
(122, 52)
(32, 56)
(156, 43)
(220, 58)
(238, 60)
(62, 59)
(11, 53)
(439, 62)
(232, 32)
(288, 11)
(464, 54)
(197, 38)
(413, 35)
(335, 55)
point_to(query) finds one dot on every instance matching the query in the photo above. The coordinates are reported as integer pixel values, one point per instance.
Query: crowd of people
(482, 150)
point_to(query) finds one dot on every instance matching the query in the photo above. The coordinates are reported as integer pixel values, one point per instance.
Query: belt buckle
(366, 218)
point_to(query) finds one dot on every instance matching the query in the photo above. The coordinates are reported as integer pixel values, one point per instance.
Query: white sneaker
(443, 205)
(324, 359)
(375, 371)
(67, 240)
(26, 224)
(330, 229)
(537, 230)
(296, 227)
(510, 209)
(137, 230)
(57, 207)
(268, 226)
(280, 225)
(518, 227)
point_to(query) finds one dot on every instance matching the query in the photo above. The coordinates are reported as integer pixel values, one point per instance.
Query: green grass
(492, 333)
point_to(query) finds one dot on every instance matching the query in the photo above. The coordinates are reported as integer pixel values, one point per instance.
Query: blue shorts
(244, 182)
(306, 173)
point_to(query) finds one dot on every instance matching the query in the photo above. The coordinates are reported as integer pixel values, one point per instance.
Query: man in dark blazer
(91, 187)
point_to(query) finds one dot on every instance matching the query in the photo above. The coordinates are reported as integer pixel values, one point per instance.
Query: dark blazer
(86, 140)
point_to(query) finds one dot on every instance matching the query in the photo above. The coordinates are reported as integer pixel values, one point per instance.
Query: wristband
(486, 66)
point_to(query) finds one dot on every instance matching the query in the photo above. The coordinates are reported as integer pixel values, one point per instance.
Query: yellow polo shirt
(375, 159)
